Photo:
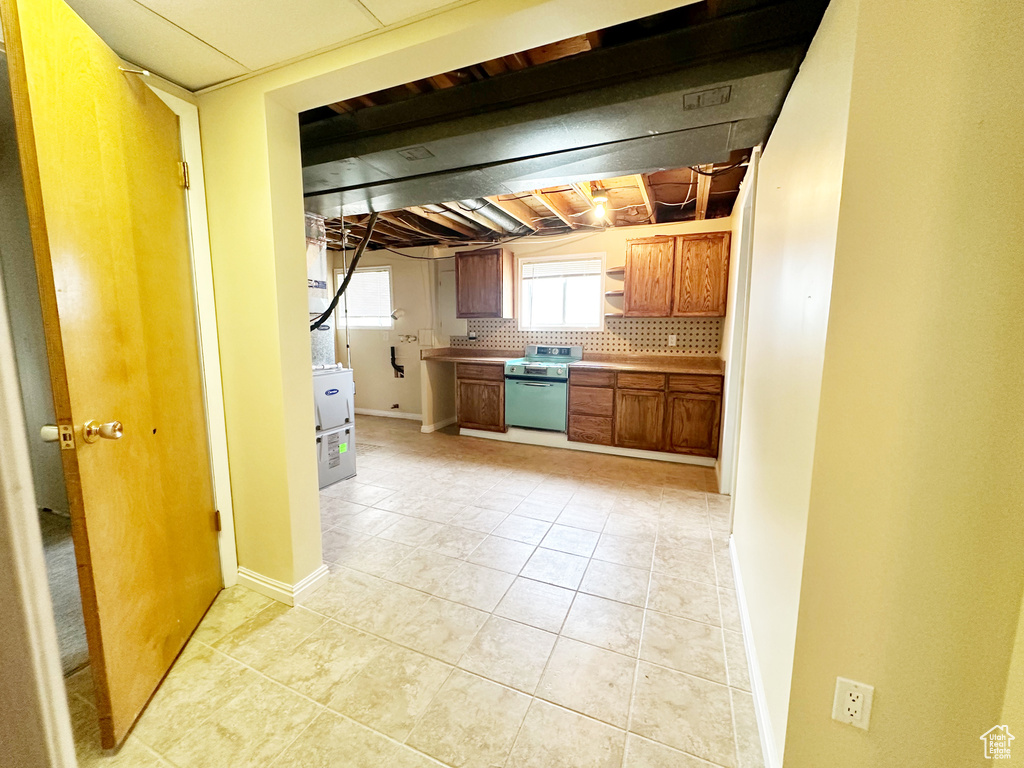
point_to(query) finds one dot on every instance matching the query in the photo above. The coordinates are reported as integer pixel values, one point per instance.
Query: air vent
(709, 98)
(415, 153)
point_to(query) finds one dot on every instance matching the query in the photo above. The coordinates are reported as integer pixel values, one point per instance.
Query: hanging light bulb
(599, 201)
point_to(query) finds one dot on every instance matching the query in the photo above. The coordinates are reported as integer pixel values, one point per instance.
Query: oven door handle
(533, 384)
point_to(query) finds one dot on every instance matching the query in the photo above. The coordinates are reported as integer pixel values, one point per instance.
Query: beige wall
(412, 281)
(253, 182)
(912, 579)
(1013, 699)
(798, 196)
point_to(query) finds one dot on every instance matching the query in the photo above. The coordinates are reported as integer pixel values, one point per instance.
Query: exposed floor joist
(704, 179)
(545, 199)
(518, 210)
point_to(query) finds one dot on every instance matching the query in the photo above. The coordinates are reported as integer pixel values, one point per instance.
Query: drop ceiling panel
(261, 34)
(143, 37)
(394, 11)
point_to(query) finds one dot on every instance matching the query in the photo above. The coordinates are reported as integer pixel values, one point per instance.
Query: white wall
(798, 198)
(412, 291)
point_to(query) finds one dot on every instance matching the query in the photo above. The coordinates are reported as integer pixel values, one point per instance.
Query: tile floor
(489, 605)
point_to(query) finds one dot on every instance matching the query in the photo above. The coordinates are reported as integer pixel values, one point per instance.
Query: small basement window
(561, 293)
(367, 298)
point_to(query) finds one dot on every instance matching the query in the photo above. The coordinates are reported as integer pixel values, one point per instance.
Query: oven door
(536, 403)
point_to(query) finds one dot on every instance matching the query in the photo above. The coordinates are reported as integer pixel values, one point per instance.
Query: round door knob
(93, 431)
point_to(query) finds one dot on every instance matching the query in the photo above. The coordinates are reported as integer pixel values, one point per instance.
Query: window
(561, 294)
(368, 298)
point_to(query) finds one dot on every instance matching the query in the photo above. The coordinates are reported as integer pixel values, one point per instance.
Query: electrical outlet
(852, 703)
(672, 339)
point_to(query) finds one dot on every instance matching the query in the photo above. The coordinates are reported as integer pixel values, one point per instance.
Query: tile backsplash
(696, 335)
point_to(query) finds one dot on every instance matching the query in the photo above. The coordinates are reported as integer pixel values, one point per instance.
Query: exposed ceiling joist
(584, 190)
(517, 210)
(444, 221)
(647, 195)
(704, 178)
(545, 199)
(483, 221)
(417, 226)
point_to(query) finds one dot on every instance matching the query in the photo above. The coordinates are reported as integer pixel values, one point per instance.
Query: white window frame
(602, 304)
(340, 311)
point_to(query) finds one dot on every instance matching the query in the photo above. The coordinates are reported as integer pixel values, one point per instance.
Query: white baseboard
(390, 414)
(438, 425)
(561, 440)
(764, 723)
(289, 594)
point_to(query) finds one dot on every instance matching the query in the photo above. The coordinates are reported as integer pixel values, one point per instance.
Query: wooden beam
(559, 50)
(544, 199)
(442, 220)
(444, 80)
(703, 191)
(341, 107)
(358, 230)
(518, 210)
(584, 190)
(410, 223)
(647, 194)
(479, 218)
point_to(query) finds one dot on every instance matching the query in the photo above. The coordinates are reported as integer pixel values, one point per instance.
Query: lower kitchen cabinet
(480, 404)
(694, 421)
(591, 429)
(640, 419)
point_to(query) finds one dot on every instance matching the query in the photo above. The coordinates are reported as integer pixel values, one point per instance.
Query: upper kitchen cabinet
(701, 275)
(647, 282)
(683, 276)
(484, 283)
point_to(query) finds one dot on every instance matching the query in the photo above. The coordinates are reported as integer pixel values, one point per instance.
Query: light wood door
(647, 282)
(100, 157)
(701, 275)
(640, 419)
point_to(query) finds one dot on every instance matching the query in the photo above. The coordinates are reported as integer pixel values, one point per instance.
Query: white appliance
(334, 412)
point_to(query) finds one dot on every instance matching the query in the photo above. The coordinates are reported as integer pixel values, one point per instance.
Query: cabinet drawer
(590, 429)
(640, 381)
(480, 371)
(678, 382)
(591, 378)
(591, 401)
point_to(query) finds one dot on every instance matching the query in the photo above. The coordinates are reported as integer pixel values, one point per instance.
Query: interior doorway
(22, 295)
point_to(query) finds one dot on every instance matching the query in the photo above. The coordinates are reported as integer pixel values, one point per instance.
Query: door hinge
(183, 167)
(216, 519)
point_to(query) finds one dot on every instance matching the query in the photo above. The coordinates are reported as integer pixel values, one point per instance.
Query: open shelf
(613, 314)
(616, 272)
(614, 294)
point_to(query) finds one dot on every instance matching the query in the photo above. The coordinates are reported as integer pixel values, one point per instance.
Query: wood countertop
(470, 355)
(594, 361)
(694, 364)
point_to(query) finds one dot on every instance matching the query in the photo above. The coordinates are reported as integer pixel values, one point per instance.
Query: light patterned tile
(685, 563)
(509, 653)
(524, 529)
(471, 722)
(440, 629)
(616, 582)
(641, 753)
(553, 737)
(232, 608)
(736, 660)
(605, 623)
(684, 645)
(621, 550)
(251, 730)
(476, 586)
(687, 599)
(454, 541)
(502, 554)
(392, 691)
(275, 630)
(575, 541)
(590, 680)
(558, 568)
(478, 519)
(685, 712)
(540, 605)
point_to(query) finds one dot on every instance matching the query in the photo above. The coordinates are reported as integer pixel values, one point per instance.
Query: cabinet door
(483, 283)
(481, 404)
(693, 423)
(701, 275)
(647, 282)
(640, 419)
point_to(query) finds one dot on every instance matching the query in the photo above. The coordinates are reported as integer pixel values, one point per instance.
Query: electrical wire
(348, 278)
(719, 171)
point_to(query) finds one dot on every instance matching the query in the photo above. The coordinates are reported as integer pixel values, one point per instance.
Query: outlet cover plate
(852, 703)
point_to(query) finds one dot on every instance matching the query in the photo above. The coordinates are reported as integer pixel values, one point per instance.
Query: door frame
(182, 103)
